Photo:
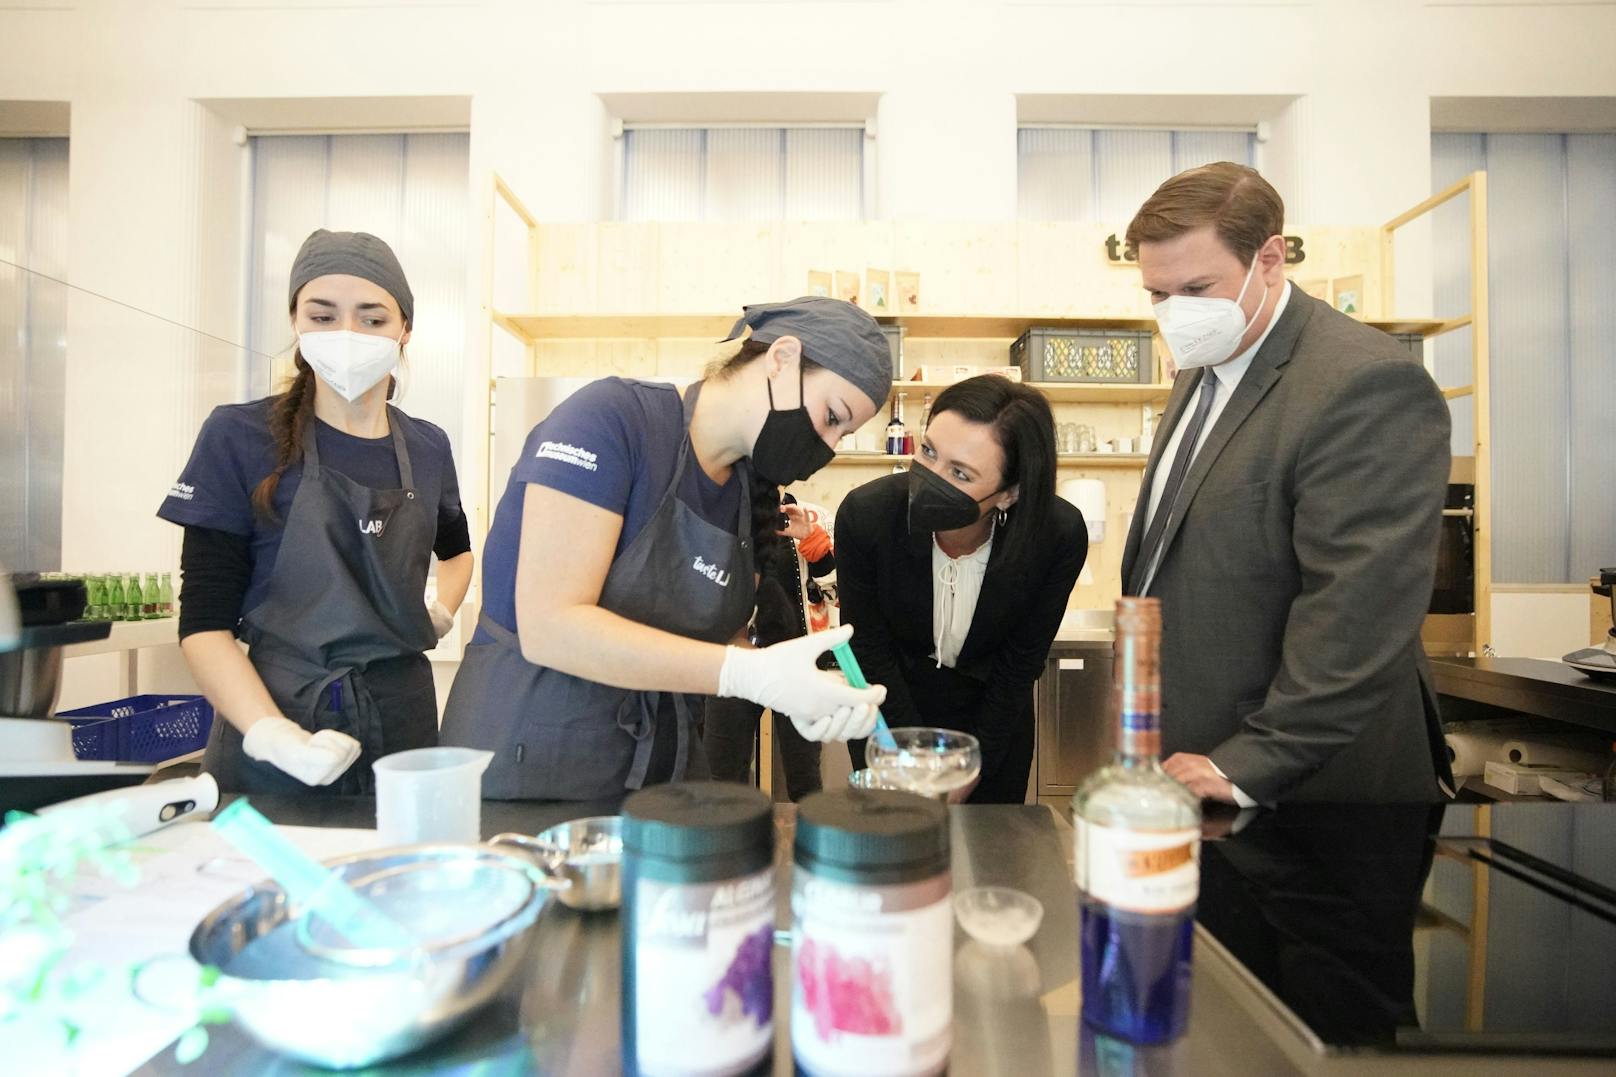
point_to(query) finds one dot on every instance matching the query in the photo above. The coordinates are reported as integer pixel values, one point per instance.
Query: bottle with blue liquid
(1137, 862)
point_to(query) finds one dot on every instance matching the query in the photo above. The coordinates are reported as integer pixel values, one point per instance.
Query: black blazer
(884, 581)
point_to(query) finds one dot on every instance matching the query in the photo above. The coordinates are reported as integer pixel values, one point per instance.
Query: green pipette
(855, 676)
(309, 883)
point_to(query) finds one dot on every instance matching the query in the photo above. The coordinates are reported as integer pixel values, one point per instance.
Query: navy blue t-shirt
(234, 452)
(613, 443)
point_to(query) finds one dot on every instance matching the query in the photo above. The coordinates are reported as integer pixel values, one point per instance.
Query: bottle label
(704, 988)
(1139, 733)
(1146, 871)
(871, 969)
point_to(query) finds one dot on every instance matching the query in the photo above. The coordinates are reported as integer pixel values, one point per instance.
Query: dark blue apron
(339, 638)
(559, 737)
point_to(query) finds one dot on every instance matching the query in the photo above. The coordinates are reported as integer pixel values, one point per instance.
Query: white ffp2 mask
(1202, 330)
(350, 363)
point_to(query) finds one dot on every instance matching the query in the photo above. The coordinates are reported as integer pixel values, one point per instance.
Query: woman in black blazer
(955, 575)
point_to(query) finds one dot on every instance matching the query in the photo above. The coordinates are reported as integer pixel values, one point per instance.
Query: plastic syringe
(855, 676)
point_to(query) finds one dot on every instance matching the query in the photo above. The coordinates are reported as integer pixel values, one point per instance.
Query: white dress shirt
(956, 585)
(1228, 375)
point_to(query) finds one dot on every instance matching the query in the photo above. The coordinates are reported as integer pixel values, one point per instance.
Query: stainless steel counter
(1016, 1012)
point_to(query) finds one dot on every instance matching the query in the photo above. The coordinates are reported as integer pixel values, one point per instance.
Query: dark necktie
(1150, 548)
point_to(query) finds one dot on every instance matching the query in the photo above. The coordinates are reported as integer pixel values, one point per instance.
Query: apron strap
(311, 444)
(406, 476)
(640, 710)
(638, 718)
(686, 722)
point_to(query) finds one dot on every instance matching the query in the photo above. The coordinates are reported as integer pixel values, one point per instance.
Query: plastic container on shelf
(1084, 355)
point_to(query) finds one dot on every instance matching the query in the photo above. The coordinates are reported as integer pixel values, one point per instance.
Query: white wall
(1544, 622)
(155, 222)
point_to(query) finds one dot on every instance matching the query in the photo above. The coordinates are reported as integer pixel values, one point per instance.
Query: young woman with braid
(311, 518)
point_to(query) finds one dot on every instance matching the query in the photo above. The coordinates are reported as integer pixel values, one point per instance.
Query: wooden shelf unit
(1060, 392)
(1440, 629)
(629, 325)
(857, 458)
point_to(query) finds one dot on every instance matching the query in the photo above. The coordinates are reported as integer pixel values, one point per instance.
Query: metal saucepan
(587, 853)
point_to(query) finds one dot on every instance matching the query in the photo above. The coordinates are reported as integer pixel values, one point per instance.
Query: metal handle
(550, 860)
(1459, 512)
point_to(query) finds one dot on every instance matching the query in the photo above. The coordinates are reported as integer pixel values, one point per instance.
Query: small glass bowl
(930, 762)
(998, 915)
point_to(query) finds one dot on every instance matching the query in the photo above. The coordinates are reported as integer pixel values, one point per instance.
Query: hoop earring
(1002, 515)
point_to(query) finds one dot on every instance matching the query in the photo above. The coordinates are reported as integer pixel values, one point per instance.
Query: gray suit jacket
(1298, 567)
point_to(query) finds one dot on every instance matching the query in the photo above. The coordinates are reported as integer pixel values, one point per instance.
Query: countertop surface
(1322, 905)
(1531, 686)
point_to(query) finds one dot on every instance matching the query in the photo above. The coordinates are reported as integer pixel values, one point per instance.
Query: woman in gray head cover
(620, 571)
(311, 518)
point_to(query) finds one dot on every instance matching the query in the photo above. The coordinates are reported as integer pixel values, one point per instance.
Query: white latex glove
(442, 619)
(311, 758)
(844, 723)
(784, 679)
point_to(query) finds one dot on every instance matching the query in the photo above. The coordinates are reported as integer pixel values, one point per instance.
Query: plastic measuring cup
(431, 795)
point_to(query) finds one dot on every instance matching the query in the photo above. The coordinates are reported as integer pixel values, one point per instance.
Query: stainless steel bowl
(344, 1014)
(30, 681)
(587, 853)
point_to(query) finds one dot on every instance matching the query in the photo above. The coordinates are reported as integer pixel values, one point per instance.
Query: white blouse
(956, 585)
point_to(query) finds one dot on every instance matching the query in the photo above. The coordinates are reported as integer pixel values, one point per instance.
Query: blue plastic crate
(141, 729)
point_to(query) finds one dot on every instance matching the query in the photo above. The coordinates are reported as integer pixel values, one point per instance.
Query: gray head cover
(356, 254)
(834, 333)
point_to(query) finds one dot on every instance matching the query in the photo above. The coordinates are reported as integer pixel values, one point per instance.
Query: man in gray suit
(1288, 519)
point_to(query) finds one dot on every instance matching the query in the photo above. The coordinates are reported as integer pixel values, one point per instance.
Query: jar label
(1148, 871)
(871, 976)
(704, 989)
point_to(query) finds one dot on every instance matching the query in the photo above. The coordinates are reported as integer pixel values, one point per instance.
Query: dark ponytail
(775, 610)
(1024, 427)
(289, 416)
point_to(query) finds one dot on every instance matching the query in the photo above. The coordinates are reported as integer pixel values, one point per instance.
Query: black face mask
(788, 448)
(935, 504)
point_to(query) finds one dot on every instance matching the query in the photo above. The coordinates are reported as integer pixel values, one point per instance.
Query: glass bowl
(931, 762)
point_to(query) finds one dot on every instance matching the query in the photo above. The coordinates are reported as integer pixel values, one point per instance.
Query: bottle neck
(1138, 747)
(1137, 699)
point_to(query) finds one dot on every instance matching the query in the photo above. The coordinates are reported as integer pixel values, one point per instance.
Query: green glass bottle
(150, 602)
(93, 596)
(165, 596)
(131, 597)
(114, 591)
